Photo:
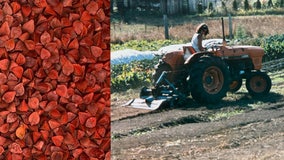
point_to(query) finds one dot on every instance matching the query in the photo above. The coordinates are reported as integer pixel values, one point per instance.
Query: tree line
(123, 7)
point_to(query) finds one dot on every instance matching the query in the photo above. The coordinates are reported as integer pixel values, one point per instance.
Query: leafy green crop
(132, 75)
(274, 47)
(144, 45)
(137, 73)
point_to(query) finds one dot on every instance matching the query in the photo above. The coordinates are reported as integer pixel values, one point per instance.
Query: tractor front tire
(258, 84)
(209, 79)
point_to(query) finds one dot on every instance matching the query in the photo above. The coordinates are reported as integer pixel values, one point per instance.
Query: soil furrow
(167, 124)
(158, 139)
(139, 125)
(239, 126)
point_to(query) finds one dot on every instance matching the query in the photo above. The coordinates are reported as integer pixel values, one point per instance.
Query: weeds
(226, 114)
(182, 28)
(241, 33)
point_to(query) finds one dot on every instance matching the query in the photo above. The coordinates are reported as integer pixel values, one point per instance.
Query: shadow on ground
(240, 99)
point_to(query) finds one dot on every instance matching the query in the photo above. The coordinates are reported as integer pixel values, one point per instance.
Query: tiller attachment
(160, 95)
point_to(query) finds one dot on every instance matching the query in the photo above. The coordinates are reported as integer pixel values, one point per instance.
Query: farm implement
(206, 76)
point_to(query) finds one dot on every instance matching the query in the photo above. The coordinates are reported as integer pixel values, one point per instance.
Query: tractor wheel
(235, 85)
(209, 79)
(159, 68)
(258, 84)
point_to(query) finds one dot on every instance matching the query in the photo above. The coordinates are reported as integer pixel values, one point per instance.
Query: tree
(258, 5)
(121, 8)
(185, 7)
(200, 8)
(224, 7)
(270, 4)
(279, 3)
(246, 5)
(235, 5)
(210, 8)
(164, 4)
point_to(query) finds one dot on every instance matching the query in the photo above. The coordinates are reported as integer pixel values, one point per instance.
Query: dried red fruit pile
(54, 79)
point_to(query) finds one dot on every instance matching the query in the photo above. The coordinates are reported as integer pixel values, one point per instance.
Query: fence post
(113, 24)
(230, 27)
(166, 25)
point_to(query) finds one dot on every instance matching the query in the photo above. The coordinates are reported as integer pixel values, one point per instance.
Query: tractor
(207, 76)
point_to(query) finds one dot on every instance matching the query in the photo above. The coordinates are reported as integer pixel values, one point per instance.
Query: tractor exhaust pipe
(223, 31)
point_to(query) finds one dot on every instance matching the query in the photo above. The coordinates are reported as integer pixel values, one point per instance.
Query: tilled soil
(239, 127)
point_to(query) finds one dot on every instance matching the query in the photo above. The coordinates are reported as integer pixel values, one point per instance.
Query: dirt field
(240, 128)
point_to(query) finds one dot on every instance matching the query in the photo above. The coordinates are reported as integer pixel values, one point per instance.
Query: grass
(184, 28)
(224, 114)
(127, 95)
(255, 105)
(277, 76)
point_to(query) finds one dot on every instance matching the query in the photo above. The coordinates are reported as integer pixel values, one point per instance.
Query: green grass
(144, 45)
(225, 114)
(255, 105)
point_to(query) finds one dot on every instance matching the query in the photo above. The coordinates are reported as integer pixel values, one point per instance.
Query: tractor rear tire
(258, 84)
(209, 79)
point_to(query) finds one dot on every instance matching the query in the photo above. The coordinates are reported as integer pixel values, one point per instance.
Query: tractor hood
(254, 52)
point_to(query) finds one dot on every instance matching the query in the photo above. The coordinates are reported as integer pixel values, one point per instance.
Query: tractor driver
(196, 41)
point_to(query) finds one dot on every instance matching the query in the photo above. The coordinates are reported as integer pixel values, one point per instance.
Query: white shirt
(194, 42)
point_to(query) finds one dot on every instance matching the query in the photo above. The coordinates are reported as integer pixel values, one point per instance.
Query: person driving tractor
(196, 41)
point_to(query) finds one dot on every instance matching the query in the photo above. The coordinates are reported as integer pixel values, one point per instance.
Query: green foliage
(235, 5)
(269, 4)
(246, 5)
(274, 47)
(241, 33)
(210, 8)
(137, 73)
(225, 114)
(258, 5)
(132, 75)
(224, 7)
(200, 8)
(279, 3)
(144, 45)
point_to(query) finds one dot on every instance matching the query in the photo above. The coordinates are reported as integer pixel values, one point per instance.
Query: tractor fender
(195, 56)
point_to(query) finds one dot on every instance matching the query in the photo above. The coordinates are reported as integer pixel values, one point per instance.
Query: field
(183, 29)
(240, 127)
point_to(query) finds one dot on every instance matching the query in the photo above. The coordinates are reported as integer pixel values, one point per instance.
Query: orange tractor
(206, 76)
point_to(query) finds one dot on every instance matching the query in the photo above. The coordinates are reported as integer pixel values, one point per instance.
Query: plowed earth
(239, 127)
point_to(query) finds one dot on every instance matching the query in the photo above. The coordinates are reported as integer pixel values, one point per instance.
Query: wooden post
(230, 27)
(223, 31)
(113, 24)
(166, 25)
(165, 18)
